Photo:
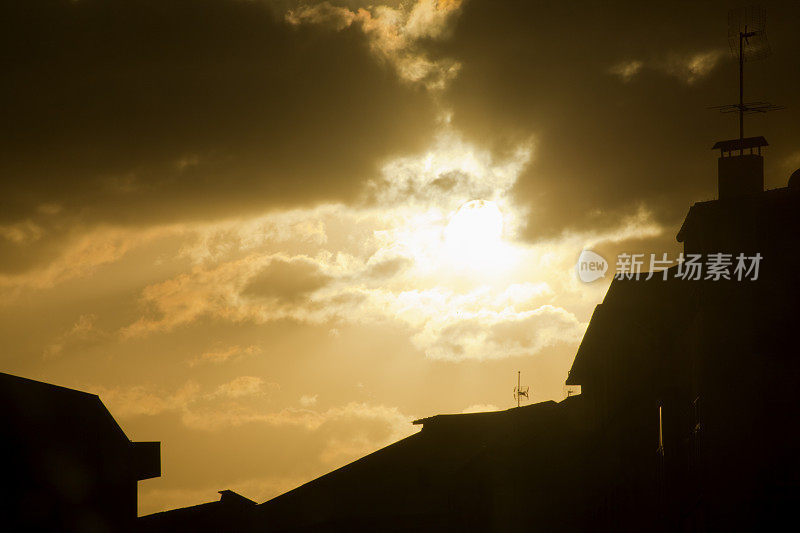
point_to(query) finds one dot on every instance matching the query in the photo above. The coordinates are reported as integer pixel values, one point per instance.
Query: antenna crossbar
(748, 41)
(748, 108)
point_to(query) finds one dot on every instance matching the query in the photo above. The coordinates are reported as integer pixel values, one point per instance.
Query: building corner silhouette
(68, 465)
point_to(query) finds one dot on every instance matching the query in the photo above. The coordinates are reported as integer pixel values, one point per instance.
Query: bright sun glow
(473, 239)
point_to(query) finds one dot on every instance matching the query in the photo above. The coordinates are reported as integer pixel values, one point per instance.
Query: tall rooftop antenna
(520, 390)
(747, 38)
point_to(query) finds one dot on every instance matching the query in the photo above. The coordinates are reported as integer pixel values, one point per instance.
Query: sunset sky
(270, 234)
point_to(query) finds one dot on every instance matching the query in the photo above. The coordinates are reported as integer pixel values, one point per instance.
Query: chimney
(740, 173)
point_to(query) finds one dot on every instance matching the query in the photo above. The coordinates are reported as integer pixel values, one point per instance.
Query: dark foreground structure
(687, 419)
(67, 465)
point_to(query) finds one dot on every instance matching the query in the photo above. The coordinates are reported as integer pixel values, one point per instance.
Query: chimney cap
(740, 144)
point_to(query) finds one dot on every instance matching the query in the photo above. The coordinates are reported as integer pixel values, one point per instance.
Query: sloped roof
(39, 408)
(636, 316)
(425, 474)
(231, 512)
(481, 420)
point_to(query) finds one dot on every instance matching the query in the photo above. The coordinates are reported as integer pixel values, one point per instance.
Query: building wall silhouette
(67, 465)
(712, 366)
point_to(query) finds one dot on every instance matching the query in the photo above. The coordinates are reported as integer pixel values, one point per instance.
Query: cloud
(306, 418)
(388, 268)
(82, 330)
(394, 34)
(326, 439)
(190, 400)
(242, 386)
(77, 253)
(688, 68)
(189, 296)
(693, 67)
(603, 147)
(287, 281)
(21, 233)
(626, 70)
(242, 401)
(224, 355)
(638, 225)
(388, 262)
(446, 324)
(308, 400)
(211, 115)
(488, 335)
(141, 400)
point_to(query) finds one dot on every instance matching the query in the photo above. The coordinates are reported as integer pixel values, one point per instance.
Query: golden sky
(271, 234)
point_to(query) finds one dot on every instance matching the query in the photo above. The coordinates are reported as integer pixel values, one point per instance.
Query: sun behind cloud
(473, 238)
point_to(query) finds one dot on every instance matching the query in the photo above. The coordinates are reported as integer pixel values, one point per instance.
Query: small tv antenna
(747, 38)
(520, 390)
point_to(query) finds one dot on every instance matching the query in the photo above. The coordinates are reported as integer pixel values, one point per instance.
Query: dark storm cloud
(615, 95)
(140, 110)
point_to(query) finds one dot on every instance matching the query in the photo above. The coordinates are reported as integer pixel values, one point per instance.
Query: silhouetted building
(685, 421)
(232, 512)
(693, 382)
(468, 472)
(67, 465)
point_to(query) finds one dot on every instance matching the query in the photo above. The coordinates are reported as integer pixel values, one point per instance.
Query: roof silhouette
(69, 464)
(680, 425)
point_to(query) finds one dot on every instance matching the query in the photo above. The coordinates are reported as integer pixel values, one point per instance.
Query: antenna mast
(743, 35)
(519, 390)
(747, 38)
